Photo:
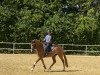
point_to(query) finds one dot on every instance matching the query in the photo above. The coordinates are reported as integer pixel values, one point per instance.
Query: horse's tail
(66, 62)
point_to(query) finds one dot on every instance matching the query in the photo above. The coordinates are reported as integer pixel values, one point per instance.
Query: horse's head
(36, 44)
(33, 44)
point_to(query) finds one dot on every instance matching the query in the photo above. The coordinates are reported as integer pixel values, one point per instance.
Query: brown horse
(57, 50)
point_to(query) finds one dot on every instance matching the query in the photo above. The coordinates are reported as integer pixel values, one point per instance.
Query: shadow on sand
(62, 70)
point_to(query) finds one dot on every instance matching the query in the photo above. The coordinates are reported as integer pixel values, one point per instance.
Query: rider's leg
(45, 50)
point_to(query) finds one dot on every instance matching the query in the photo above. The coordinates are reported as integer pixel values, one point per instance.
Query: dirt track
(20, 64)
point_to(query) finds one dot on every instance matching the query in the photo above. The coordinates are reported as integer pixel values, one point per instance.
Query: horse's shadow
(63, 71)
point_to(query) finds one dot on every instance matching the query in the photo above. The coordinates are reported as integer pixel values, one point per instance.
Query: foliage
(23, 20)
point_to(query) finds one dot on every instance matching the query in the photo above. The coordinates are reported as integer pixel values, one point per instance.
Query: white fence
(85, 50)
(13, 48)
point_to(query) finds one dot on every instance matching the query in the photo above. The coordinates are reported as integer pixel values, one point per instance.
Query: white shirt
(47, 38)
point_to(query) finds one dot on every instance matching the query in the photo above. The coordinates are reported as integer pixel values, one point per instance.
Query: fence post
(86, 50)
(13, 47)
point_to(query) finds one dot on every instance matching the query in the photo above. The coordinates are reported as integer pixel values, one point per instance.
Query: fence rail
(13, 47)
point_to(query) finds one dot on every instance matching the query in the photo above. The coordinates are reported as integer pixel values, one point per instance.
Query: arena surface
(20, 64)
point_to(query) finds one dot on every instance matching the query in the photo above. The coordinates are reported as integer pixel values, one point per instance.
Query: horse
(57, 50)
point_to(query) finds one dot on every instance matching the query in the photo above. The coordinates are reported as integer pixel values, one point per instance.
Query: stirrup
(45, 54)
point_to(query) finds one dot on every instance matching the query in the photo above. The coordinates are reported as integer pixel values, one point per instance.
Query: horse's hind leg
(54, 61)
(61, 57)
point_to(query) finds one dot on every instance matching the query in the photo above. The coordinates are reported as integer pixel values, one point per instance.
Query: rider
(47, 42)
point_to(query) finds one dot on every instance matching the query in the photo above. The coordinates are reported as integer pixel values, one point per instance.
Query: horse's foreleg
(54, 61)
(43, 63)
(35, 64)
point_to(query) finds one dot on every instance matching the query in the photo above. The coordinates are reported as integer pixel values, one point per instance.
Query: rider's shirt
(47, 38)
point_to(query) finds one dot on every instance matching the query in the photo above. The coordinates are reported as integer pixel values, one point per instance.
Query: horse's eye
(33, 41)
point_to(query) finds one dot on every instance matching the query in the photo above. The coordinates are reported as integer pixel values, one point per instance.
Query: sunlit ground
(20, 64)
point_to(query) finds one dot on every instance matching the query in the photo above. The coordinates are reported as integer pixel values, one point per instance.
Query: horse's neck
(39, 46)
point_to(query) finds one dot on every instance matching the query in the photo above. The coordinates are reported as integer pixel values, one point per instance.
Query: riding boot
(45, 54)
(45, 51)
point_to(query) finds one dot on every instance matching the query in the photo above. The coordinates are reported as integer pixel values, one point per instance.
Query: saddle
(48, 53)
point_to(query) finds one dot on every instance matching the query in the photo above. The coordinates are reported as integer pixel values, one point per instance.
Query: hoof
(63, 70)
(49, 69)
(31, 69)
(44, 70)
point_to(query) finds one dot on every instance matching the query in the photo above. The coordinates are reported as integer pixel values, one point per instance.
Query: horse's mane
(55, 45)
(39, 42)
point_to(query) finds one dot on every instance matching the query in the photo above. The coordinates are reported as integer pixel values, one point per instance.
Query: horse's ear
(55, 42)
(33, 41)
